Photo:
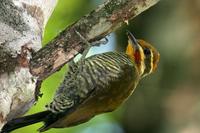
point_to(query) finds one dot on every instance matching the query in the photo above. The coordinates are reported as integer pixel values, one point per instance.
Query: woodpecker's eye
(147, 51)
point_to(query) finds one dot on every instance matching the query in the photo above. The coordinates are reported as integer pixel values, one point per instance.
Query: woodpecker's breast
(104, 68)
(115, 77)
(99, 84)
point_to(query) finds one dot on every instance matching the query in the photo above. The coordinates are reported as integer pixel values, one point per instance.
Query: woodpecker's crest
(144, 55)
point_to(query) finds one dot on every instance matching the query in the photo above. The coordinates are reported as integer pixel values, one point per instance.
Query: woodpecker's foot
(89, 45)
(98, 43)
(95, 43)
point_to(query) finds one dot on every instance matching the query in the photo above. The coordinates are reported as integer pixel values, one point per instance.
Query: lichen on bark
(22, 23)
(7, 62)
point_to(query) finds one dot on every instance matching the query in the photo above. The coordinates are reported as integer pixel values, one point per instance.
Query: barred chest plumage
(106, 73)
(101, 83)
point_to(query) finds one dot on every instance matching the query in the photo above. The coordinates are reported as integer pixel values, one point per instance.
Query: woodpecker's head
(144, 55)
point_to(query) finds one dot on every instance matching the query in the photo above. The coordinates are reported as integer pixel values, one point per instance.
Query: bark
(22, 66)
(22, 23)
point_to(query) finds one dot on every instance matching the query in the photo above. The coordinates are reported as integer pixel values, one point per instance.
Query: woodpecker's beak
(133, 40)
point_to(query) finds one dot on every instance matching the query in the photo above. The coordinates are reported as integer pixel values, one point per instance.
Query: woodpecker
(94, 85)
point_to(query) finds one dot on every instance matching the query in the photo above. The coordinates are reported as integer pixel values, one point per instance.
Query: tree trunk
(22, 23)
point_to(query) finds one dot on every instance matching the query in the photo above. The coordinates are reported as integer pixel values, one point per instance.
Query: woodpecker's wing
(87, 78)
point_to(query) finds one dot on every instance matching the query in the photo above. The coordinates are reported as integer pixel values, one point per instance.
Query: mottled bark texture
(22, 66)
(21, 27)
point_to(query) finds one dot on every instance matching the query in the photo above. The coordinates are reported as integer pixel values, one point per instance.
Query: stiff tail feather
(24, 121)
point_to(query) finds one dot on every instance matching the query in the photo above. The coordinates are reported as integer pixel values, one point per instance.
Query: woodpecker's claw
(89, 45)
(82, 38)
(98, 43)
(95, 43)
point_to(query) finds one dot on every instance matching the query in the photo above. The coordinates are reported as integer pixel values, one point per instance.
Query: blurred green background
(168, 101)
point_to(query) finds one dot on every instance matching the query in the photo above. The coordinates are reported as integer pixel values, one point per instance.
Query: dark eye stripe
(146, 51)
(147, 61)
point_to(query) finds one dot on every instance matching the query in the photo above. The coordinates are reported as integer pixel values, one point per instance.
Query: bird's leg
(98, 43)
(88, 45)
(86, 50)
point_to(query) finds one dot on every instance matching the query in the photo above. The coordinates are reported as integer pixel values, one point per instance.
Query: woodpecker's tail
(24, 121)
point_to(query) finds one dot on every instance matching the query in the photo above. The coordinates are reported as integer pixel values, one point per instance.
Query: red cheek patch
(137, 57)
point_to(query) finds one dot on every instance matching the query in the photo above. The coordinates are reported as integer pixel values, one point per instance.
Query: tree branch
(94, 26)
